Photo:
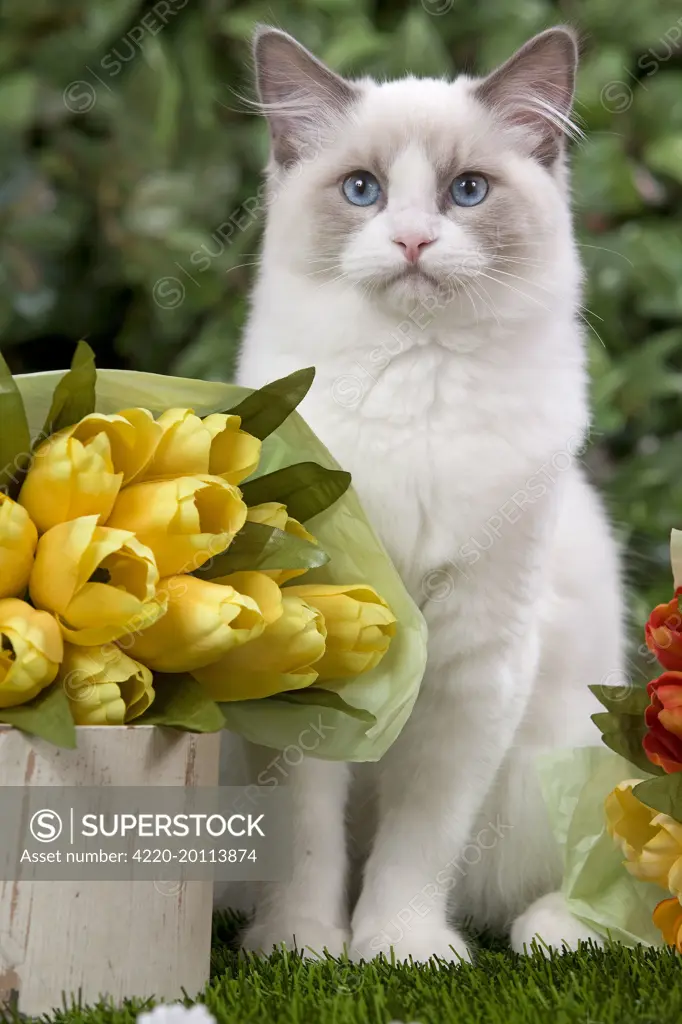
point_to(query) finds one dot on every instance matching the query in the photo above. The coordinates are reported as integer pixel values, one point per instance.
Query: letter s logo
(46, 826)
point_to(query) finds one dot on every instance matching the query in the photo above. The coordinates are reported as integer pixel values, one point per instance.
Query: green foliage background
(124, 151)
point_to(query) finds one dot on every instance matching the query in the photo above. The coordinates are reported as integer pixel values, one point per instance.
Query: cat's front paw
(419, 944)
(549, 923)
(310, 938)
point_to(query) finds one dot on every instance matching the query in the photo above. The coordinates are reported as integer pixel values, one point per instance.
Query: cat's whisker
(239, 266)
(496, 257)
(324, 270)
(518, 259)
(592, 328)
(523, 264)
(604, 248)
(591, 312)
(488, 304)
(523, 280)
(479, 291)
(463, 284)
(515, 245)
(518, 291)
(334, 280)
(321, 258)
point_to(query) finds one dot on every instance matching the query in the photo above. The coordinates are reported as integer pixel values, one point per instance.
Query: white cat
(419, 252)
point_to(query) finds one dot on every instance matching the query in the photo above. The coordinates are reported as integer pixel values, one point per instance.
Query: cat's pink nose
(413, 245)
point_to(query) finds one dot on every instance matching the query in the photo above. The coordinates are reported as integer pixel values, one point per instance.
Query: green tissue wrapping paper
(598, 888)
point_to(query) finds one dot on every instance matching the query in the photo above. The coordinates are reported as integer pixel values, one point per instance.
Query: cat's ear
(298, 94)
(534, 89)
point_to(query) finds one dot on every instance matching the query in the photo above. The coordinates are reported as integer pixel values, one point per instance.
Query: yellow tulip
(213, 446)
(260, 587)
(99, 582)
(30, 651)
(234, 452)
(272, 513)
(661, 858)
(70, 478)
(359, 627)
(18, 539)
(628, 820)
(203, 622)
(133, 435)
(104, 686)
(651, 842)
(282, 658)
(185, 521)
(184, 446)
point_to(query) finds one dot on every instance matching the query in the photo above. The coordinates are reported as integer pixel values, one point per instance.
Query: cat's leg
(531, 869)
(310, 911)
(514, 884)
(508, 881)
(432, 783)
(581, 643)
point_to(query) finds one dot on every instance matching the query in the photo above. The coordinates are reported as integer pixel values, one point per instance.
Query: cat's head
(402, 188)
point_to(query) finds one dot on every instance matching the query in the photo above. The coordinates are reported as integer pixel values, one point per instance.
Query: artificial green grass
(592, 986)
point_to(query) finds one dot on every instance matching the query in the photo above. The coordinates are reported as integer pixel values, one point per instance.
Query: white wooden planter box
(113, 939)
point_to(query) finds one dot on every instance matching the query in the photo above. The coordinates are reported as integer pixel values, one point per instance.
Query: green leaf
(664, 794)
(624, 734)
(263, 547)
(265, 409)
(327, 699)
(318, 700)
(18, 100)
(664, 156)
(181, 703)
(48, 716)
(630, 700)
(15, 439)
(306, 489)
(622, 725)
(74, 396)
(605, 177)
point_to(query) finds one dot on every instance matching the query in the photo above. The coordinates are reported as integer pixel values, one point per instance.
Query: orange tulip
(668, 917)
(663, 633)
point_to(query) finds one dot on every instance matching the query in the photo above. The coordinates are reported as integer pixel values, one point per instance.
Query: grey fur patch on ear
(534, 89)
(299, 95)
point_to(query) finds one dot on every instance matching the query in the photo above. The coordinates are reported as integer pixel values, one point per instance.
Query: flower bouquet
(183, 554)
(158, 566)
(626, 802)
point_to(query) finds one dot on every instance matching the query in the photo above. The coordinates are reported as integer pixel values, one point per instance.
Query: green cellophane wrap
(360, 718)
(597, 886)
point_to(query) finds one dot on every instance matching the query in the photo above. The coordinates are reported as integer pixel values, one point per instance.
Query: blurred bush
(130, 208)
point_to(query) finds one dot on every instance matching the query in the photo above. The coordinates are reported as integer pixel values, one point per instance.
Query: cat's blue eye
(469, 189)
(361, 188)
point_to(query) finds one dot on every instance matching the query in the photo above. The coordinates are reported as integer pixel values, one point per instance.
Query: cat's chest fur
(440, 442)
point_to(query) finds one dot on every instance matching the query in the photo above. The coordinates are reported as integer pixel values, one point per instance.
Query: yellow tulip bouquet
(155, 567)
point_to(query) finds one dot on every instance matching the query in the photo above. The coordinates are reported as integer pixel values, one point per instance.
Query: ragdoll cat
(419, 252)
